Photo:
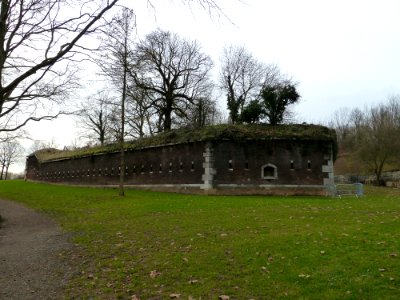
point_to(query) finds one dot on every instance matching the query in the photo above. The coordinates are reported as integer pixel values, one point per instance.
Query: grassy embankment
(237, 132)
(155, 244)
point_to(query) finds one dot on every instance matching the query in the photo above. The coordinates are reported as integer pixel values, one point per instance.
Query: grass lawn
(155, 244)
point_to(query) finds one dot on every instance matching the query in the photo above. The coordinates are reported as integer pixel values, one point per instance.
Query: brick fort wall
(252, 166)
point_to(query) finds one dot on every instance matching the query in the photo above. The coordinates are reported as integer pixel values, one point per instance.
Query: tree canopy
(174, 70)
(276, 100)
(241, 78)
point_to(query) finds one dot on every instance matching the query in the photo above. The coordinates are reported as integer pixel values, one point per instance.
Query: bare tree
(10, 152)
(341, 122)
(203, 112)
(375, 132)
(242, 76)
(116, 51)
(114, 124)
(174, 70)
(139, 113)
(95, 116)
(39, 42)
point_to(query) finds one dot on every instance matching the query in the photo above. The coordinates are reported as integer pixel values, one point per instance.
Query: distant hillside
(348, 163)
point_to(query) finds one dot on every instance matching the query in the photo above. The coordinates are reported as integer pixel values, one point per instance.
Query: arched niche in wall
(269, 171)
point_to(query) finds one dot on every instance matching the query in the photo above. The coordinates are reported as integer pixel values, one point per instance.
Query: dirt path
(31, 266)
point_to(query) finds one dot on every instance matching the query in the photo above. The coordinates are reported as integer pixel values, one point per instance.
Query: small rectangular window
(292, 165)
(160, 169)
(181, 167)
(230, 166)
(246, 165)
(170, 167)
(192, 167)
(309, 165)
(151, 168)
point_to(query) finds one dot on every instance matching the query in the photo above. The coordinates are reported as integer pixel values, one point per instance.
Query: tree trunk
(6, 173)
(141, 125)
(378, 173)
(122, 150)
(167, 120)
(102, 137)
(124, 87)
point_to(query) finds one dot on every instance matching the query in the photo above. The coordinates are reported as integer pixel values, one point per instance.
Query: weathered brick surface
(249, 157)
(234, 168)
(180, 164)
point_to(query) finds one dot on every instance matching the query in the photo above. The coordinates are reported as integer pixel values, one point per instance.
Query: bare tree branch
(36, 54)
(242, 77)
(172, 68)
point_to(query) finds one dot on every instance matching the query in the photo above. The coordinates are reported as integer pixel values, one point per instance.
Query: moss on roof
(208, 133)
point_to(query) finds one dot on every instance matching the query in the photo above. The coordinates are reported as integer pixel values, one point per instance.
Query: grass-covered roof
(208, 133)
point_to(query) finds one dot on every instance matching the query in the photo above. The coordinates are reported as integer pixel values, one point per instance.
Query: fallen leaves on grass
(264, 269)
(223, 297)
(304, 275)
(154, 274)
(174, 296)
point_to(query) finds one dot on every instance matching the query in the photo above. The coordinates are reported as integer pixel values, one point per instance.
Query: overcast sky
(341, 53)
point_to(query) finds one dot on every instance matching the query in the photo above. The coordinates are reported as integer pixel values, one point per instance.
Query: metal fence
(342, 190)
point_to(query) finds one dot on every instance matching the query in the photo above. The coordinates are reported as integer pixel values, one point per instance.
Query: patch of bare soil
(32, 264)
